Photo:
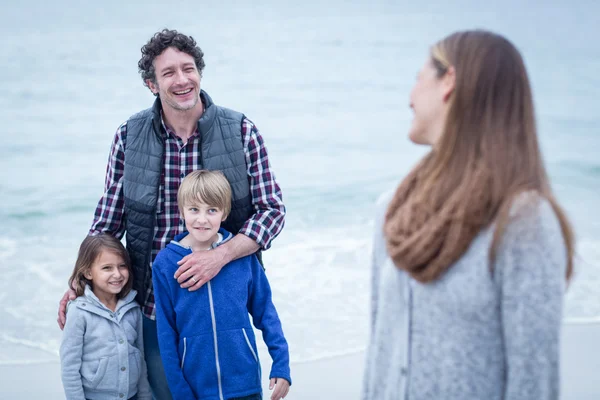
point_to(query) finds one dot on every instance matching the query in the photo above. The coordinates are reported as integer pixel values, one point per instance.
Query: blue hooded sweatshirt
(206, 342)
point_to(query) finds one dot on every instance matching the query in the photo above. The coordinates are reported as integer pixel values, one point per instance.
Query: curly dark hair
(159, 43)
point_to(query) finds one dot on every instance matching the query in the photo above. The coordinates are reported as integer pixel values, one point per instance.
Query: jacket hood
(90, 297)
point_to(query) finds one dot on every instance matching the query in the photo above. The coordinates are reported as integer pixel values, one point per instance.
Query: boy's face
(202, 222)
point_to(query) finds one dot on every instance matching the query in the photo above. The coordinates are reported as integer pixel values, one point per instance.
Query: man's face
(177, 80)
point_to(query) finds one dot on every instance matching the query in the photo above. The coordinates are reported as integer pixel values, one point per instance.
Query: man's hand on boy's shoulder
(282, 387)
(198, 268)
(201, 266)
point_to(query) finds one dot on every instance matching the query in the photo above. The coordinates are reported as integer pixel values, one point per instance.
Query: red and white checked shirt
(179, 160)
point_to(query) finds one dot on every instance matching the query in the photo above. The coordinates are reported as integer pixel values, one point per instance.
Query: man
(151, 154)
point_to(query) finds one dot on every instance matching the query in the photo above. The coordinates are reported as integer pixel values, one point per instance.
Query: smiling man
(151, 154)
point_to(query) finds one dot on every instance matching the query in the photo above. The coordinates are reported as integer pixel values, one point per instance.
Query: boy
(206, 341)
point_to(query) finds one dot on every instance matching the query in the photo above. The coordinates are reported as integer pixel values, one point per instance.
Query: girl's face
(108, 274)
(429, 102)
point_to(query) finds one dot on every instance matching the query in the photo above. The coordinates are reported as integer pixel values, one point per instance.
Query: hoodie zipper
(253, 353)
(184, 350)
(249, 345)
(214, 326)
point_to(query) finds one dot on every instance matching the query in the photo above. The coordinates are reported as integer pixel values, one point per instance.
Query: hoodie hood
(183, 250)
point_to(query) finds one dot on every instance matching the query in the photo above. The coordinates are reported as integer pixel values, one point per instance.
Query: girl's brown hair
(89, 251)
(488, 153)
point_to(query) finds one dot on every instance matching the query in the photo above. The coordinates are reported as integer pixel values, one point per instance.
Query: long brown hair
(89, 251)
(487, 154)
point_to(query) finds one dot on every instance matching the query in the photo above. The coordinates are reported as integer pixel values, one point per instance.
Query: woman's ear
(448, 83)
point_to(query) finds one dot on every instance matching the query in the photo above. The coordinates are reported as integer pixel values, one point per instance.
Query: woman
(472, 253)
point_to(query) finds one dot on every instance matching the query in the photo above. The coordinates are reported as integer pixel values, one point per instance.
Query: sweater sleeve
(265, 318)
(71, 353)
(531, 264)
(143, 392)
(168, 337)
(378, 255)
(378, 251)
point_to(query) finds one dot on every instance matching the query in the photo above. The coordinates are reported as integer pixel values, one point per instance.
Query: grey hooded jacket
(102, 352)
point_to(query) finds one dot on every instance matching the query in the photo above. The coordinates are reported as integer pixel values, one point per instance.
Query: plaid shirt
(179, 160)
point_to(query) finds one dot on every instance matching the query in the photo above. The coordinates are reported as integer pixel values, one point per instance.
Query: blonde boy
(206, 341)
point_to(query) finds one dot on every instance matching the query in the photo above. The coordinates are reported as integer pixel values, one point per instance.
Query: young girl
(102, 350)
(472, 252)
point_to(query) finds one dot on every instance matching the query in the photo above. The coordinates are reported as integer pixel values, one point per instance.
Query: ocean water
(327, 84)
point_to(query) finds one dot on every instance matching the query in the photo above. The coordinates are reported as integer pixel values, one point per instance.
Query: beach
(327, 84)
(340, 377)
(333, 378)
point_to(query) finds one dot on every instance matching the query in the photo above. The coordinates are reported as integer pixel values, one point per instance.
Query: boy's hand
(62, 307)
(282, 387)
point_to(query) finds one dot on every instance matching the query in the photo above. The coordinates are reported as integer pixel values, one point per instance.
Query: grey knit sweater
(472, 334)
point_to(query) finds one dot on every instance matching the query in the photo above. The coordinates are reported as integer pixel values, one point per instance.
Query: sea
(327, 84)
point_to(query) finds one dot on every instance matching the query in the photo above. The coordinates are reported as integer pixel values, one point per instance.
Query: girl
(472, 251)
(102, 350)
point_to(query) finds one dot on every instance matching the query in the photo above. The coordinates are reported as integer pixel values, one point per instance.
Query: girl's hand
(282, 387)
